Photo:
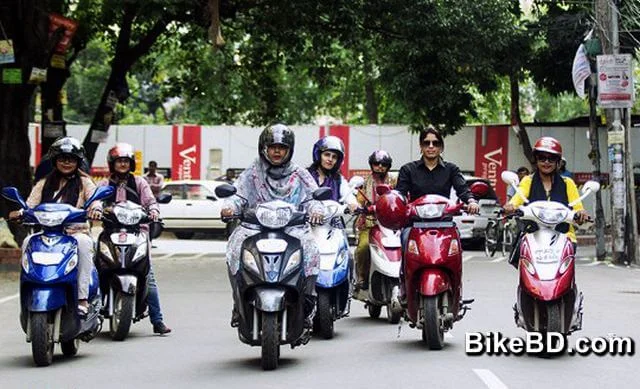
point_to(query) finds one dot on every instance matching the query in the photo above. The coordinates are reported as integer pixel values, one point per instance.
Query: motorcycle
(384, 269)
(432, 265)
(268, 288)
(123, 264)
(548, 299)
(48, 280)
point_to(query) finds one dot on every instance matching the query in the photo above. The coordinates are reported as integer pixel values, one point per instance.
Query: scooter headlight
(431, 211)
(550, 216)
(141, 251)
(25, 263)
(250, 261)
(274, 217)
(104, 250)
(128, 217)
(342, 257)
(71, 264)
(51, 218)
(294, 262)
(564, 266)
(528, 266)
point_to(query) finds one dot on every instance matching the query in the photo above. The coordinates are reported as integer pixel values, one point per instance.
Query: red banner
(492, 148)
(342, 132)
(185, 153)
(70, 26)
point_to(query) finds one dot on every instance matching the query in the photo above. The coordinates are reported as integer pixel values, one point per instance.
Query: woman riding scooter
(69, 185)
(272, 176)
(546, 183)
(328, 154)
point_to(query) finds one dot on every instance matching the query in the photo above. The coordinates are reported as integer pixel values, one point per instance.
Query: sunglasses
(434, 143)
(66, 159)
(380, 164)
(547, 158)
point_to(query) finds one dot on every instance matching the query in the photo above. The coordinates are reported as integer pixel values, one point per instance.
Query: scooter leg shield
(270, 299)
(433, 282)
(47, 299)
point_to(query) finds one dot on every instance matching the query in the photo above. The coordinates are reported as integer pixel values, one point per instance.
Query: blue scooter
(48, 281)
(336, 264)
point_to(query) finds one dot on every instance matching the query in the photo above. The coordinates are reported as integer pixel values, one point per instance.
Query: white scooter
(548, 298)
(384, 272)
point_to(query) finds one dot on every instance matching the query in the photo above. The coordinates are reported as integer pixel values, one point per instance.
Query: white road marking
(466, 257)
(499, 259)
(9, 298)
(491, 380)
(448, 335)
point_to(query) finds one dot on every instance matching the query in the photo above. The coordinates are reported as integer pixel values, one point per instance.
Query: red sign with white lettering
(185, 153)
(492, 147)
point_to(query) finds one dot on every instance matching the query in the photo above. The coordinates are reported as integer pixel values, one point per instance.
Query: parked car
(472, 227)
(194, 207)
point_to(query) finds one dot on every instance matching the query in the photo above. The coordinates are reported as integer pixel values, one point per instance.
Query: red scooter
(432, 262)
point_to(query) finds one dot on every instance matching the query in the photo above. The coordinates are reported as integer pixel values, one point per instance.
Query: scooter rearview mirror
(11, 193)
(164, 198)
(591, 186)
(356, 182)
(509, 178)
(225, 190)
(322, 194)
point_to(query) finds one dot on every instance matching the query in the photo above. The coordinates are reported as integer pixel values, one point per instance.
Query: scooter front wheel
(324, 316)
(120, 322)
(432, 328)
(41, 338)
(270, 340)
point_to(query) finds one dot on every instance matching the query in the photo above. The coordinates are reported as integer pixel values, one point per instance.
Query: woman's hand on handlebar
(473, 208)
(316, 218)
(226, 212)
(15, 215)
(581, 216)
(509, 208)
(95, 214)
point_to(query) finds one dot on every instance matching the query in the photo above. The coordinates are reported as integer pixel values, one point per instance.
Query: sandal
(83, 310)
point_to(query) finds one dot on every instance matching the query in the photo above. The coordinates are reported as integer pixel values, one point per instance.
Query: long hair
(69, 194)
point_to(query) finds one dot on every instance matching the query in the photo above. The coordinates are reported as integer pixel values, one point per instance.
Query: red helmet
(392, 210)
(121, 150)
(547, 144)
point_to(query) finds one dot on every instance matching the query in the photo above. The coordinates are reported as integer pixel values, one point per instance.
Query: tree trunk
(52, 123)
(371, 104)
(516, 120)
(117, 91)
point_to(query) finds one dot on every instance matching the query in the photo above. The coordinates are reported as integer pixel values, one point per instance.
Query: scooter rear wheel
(270, 340)
(41, 338)
(432, 329)
(70, 347)
(374, 311)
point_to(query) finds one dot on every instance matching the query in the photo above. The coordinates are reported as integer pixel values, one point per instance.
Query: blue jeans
(153, 299)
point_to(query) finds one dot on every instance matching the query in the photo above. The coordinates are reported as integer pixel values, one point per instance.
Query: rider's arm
(525, 187)
(404, 180)
(243, 189)
(346, 193)
(460, 185)
(573, 194)
(88, 187)
(147, 199)
(35, 197)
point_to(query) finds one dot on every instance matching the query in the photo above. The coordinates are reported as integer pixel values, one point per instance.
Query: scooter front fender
(45, 299)
(128, 283)
(433, 282)
(270, 299)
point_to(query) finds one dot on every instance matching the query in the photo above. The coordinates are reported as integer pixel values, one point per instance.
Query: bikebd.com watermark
(494, 343)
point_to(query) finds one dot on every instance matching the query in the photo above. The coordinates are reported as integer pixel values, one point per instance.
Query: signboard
(615, 81)
(70, 26)
(492, 152)
(139, 163)
(185, 153)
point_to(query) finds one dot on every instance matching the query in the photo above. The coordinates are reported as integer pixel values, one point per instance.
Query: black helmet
(276, 134)
(380, 157)
(67, 145)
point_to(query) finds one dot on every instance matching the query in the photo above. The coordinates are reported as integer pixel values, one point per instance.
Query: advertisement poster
(186, 152)
(615, 81)
(492, 149)
(70, 26)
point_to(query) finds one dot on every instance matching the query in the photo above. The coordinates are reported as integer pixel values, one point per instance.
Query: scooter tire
(491, 240)
(432, 330)
(70, 348)
(374, 311)
(324, 316)
(41, 338)
(120, 322)
(270, 341)
(393, 317)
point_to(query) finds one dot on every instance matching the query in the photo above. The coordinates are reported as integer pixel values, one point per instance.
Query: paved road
(204, 351)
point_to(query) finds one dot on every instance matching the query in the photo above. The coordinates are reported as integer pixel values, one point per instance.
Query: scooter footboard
(270, 299)
(433, 282)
